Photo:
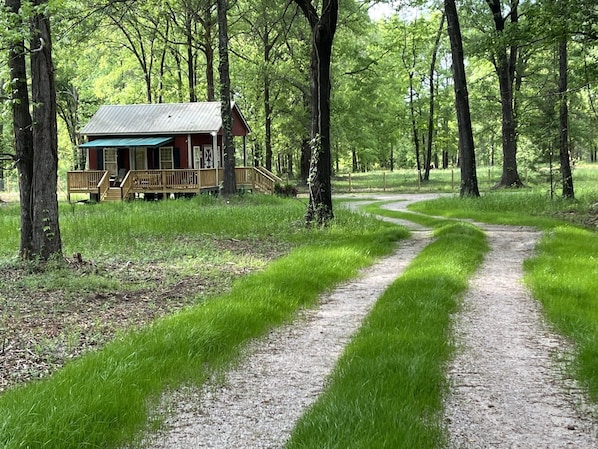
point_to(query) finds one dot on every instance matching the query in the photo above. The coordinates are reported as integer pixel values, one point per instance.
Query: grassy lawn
(386, 391)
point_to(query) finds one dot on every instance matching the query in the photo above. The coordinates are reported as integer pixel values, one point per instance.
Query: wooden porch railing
(92, 181)
(168, 181)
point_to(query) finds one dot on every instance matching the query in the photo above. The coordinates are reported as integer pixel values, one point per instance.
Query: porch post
(189, 152)
(215, 152)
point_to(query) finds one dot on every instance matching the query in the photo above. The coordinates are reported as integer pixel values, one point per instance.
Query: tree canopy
(391, 85)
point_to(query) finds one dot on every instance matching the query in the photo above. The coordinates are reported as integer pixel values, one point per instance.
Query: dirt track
(509, 389)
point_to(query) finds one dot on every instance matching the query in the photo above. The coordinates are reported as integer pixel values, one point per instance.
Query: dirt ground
(43, 328)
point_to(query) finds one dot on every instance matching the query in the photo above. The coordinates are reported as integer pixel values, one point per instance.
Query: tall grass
(563, 275)
(102, 399)
(387, 389)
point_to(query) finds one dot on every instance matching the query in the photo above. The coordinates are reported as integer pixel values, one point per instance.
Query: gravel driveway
(508, 388)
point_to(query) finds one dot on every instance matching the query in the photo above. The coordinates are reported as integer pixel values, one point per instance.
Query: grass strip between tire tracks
(387, 389)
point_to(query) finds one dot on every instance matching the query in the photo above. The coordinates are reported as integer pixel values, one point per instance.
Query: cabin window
(110, 161)
(166, 159)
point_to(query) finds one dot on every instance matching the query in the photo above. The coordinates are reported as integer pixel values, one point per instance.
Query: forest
(392, 94)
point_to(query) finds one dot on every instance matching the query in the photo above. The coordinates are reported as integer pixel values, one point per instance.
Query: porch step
(113, 194)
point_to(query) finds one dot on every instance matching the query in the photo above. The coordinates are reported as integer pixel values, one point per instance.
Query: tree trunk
(229, 178)
(22, 134)
(305, 160)
(46, 240)
(414, 125)
(505, 69)
(206, 18)
(564, 153)
(319, 210)
(431, 108)
(191, 77)
(268, 122)
(469, 181)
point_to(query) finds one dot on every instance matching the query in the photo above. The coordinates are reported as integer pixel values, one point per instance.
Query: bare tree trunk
(268, 122)
(191, 76)
(46, 240)
(22, 134)
(505, 68)
(431, 108)
(208, 24)
(469, 181)
(230, 182)
(568, 191)
(323, 28)
(414, 124)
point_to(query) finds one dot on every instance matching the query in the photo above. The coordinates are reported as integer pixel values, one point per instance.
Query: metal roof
(161, 118)
(127, 142)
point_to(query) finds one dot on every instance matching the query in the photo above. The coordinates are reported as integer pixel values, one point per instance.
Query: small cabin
(160, 150)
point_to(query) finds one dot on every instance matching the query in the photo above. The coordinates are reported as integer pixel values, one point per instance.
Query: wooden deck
(148, 183)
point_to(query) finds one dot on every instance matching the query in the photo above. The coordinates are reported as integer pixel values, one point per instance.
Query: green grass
(520, 208)
(563, 271)
(102, 399)
(447, 180)
(387, 389)
(388, 386)
(563, 275)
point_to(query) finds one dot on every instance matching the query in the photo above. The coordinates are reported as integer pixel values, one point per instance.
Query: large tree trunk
(46, 240)
(230, 182)
(505, 68)
(469, 181)
(23, 136)
(564, 153)
(319, 209)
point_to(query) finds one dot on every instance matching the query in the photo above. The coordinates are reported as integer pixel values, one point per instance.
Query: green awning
(127, 142)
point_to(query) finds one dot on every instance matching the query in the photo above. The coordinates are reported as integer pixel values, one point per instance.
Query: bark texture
(505, 62)
(45, 239)
(230, 183)
(23, 136)
(469, 180)
(564, 153)
(323, 28)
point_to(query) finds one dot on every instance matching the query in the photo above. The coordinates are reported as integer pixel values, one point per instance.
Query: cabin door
(110, 161)
(140, 158)
(207, 156)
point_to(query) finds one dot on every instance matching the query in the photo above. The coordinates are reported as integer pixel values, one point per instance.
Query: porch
(148, 183)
